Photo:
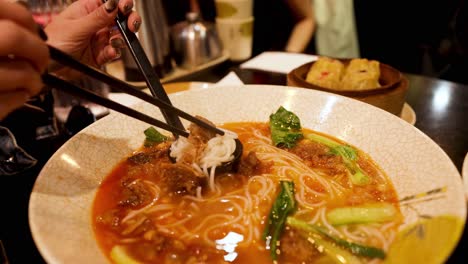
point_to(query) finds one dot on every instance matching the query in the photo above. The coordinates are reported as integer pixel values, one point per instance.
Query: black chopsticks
(115, 83)
(69, 88)
(65, 86)
(146, 69)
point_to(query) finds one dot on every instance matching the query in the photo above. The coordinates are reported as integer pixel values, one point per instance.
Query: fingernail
(136, 25)
(110, 5)
(118, 54)
(116, 43)
(127, 9)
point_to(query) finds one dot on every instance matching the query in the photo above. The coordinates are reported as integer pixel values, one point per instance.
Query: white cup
(234, 8)
(236, 35)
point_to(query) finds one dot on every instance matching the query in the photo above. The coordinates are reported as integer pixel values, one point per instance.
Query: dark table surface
(441, 109)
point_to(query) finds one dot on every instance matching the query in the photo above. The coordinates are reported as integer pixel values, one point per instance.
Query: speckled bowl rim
(59, 208)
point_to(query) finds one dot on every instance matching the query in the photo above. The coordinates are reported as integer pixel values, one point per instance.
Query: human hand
(85, 30)
(23, 57)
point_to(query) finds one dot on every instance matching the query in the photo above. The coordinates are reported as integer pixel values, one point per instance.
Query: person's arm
(304, 28)
(23, 57)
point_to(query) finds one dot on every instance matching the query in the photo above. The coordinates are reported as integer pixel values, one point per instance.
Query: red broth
(141, 211)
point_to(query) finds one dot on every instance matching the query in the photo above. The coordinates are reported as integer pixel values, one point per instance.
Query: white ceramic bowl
(62, 197)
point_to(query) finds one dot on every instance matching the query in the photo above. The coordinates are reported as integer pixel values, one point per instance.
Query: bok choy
(336, 248)
(285, 128)
(370, 213)
(349, 156)
(319, 235)
(284, 205)
(153, 137)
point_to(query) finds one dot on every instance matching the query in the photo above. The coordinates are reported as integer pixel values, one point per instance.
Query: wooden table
(441, 109)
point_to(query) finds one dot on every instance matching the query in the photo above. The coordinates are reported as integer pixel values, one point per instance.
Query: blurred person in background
(283, 25)
(336, 33)
(421, 37)
(428, 38)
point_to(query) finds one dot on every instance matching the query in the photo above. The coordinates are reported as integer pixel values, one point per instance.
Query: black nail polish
(117, 42)
(127, 9)
(136, 25)
(110, 5)
(118, 54)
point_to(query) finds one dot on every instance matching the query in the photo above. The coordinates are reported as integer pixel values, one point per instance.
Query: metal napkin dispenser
(195, 42)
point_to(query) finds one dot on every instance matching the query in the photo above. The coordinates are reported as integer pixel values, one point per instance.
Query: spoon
(233, 164)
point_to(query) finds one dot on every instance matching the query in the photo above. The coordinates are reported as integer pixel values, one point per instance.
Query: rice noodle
(179, 147)
(155, 190)
(218, 150)
(133, 225)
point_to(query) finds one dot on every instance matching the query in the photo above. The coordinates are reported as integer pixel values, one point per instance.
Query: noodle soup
(146, 213)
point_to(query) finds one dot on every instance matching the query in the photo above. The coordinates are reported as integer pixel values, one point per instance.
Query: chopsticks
(115, 83)
(143, 63)
(69, 88)
(65, 86)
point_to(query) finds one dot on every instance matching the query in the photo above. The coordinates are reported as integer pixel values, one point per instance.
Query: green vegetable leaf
(323, 140)
(335, 253)
(345, 151)
(153, 137)
(284, 205)
(370, 213)
(285, 128)
(359, 177)
(349, 156)
(357, 249)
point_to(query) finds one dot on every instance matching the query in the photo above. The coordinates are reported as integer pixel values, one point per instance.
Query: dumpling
(326, 72)
(361, 74)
